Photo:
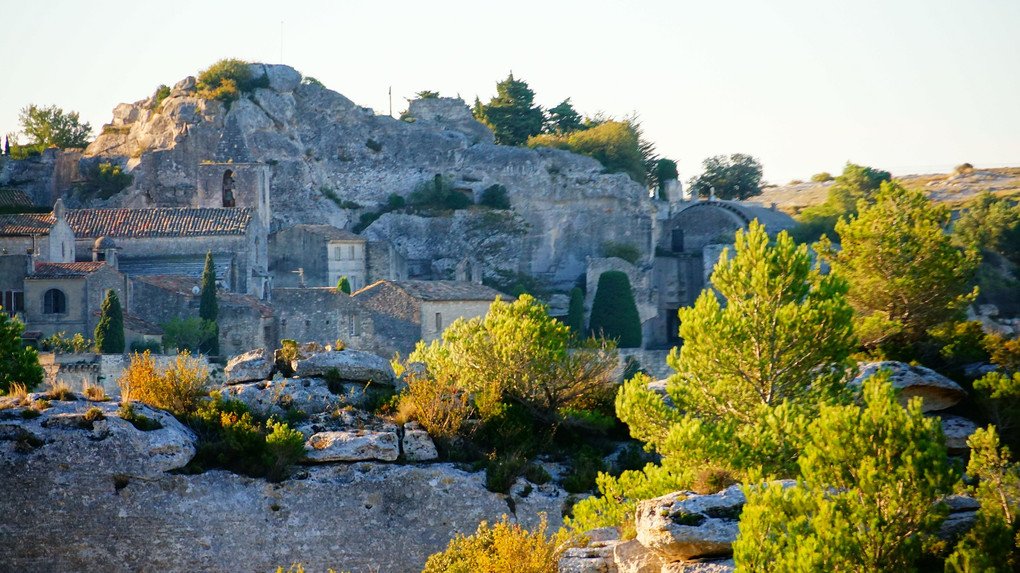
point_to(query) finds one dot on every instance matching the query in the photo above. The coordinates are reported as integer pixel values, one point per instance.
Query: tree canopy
(511, 115)
(18, 365)
(614, 314)
(51, 127)
(208, 308)
(856, 183)
(905, 274)
(615, 144)
(990, 223)
(735, 177)
(110, 330)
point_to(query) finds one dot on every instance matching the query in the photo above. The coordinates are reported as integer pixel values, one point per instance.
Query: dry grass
(20, 392)
(60, 390)
(176, 388)
(94, 392)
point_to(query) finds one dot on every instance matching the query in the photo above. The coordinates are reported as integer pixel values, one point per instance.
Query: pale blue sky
(905, 85)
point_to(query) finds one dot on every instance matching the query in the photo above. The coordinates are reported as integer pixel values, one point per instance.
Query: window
(13, 302)
(228, 188)
(350, 251)
(54, 302)
(337, 253)
(355, 324)
(439, 322)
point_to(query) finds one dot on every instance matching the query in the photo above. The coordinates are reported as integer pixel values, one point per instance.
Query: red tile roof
(64, 270)
(164, 222)
(26, 224)
(14, 198)
(185, 285)
(442, 290)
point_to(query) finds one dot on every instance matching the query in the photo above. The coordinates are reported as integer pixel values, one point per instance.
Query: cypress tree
(18, 365)
(110, 330)
(343, 285)
(614, 313)
(208, 308)
(575, 312)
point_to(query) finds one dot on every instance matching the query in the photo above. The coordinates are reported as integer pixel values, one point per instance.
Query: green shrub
(537, 474)
(343, 285)
(584, 471)
(59, 342)
(575, 312)
(139, 421)
(60, 391)
(614, 314)
(495, 196)
(438, 193)
(189, 334)
(822, 177)
(373, 145)
(365, 220)
(227, 79)
(94, 415)
(30, 413)
(395, 201)
(162, 92)
(104, 180)
(139, 346)
(110, 330)
(626, 251)
(502, 471)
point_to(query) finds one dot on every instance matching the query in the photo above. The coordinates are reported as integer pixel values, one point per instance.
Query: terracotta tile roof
(14, 198)
(164, 222)
(26, 224)
(64, 270)
(444, 290)
(135, 324)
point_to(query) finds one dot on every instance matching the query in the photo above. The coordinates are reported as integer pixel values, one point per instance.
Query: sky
(909, 86)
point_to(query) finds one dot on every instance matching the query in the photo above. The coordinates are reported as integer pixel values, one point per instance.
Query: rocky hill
(952, 188)
(320, 143)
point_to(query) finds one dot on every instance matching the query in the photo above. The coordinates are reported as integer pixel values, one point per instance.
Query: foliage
(59, 342)
(614, 314)
(176, 388)
(626, 251)
(749, 376)
(51, 127)
(18, 365)
(310, 81)
(868, 497)
(426, 94)
(188, 334)
(395, 201)
(495, 196)
(998, 393)
(615, 144)
(437, 403)
(105, 180)
(575, 312)
(856, 183)
(990, 223)
(60, 390)
(110, 330)
(993, 544)
(503, 548)
(905, 274)
(438, 193)
(162, 92)
(563, 118)
(227, 79)
(343, 285)
(821, 177)
(208, 308)
(736, 177)
(230, 437)
(665, 170)
(511, 115)
(585, 467)
(141, 345)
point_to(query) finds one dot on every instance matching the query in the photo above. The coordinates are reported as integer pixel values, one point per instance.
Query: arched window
(54, 302)
(228, 188)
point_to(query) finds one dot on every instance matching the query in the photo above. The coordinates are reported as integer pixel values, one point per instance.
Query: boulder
(957, 429)
(701, 566)
(250, 366)
(418, 445)
(659, 387)
(683, 525)
(595, 558)
(281, 78)
(351, 365)
(632, 557)
(353, 446)
(936, 391)
(311, 396)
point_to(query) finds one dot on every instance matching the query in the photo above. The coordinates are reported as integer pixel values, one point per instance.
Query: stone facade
(319, 255)
(61, 297)
(235, 185)
(323, 315)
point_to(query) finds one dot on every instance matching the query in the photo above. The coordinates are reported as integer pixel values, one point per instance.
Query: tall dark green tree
(18, 365)
(511, 115)
(208, 307)
(343, 285)
(575, 312)
(736, 177)
(665, 170)
(563, 118)
(613, 312)
(110, 330)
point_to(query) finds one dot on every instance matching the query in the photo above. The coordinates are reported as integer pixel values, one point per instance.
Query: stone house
(318, 255)
(411, 310)
(46, 236)
(174, 241)
(61, 297)
(324, 315)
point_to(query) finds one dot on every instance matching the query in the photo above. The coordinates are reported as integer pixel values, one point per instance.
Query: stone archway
(228, 189)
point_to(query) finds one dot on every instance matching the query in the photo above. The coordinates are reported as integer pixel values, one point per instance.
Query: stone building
(174, 241)
(407, 311)
(61, 297)
(318, 255)
(47, 237)
(324, 315)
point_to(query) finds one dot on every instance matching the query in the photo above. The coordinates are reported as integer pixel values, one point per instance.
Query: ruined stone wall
(243, 328)
(157, 305)
(294, 248)
(323, 315)
(96, 286)
(383, 262)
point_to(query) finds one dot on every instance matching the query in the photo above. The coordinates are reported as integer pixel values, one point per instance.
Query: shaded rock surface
(957, 429)
(350, 365)
(276, 397)
(701, 566)
(597, 557)
(936, 391)
(632, 557)
(353, 446)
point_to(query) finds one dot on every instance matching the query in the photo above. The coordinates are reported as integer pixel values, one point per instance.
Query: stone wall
(323, 315)
(384, 263)
(295, 248)
(438, 315)
(45, 177)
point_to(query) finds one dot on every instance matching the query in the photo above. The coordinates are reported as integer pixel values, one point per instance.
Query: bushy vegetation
(626, 251)
(227, 79)
(51, 127)
(438, 193)
(209, 309)
(343, 285)
(614, 314)
(60, 342)
(177, 389)
(503, 548)
(104, 180)
(18, 365)
(495, 197)
(856, 183)
(189, 334)
(575, 312)
(110, 330)
(615, 144)
(991, 224)
(736, 177)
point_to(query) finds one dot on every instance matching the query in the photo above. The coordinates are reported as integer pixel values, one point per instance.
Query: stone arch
(54, 302)
(229, 200)
(700, 224)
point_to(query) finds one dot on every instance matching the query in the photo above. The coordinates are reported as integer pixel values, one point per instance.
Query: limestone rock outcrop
(276, 397)
(353, 446)
(350, 365)
(957, 429)
(250, 366)
(683, 526)
(936, 391)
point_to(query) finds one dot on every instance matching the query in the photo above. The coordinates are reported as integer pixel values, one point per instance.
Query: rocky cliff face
(317, 140)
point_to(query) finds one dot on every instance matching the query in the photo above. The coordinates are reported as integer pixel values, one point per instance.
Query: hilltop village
(236, 184)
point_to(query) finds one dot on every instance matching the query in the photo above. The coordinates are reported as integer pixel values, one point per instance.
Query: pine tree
(511, 115)
(18, 365)
(208, 307)
(343, 285)
(575, 313)
(614, 313)
(110, 330)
